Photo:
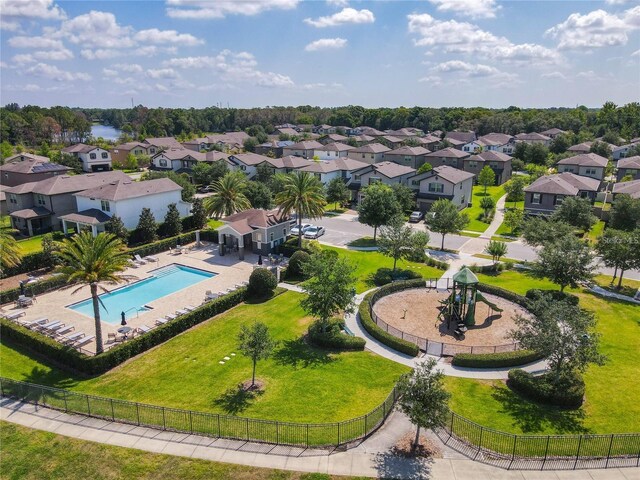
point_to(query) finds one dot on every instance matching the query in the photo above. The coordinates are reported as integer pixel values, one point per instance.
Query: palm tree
(228, 197)
(302, 193)
(10, 254)
(90, 260)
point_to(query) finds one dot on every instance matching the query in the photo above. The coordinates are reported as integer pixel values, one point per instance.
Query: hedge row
(384, 276)
(95, 365)
(495, 360)
(375, 331)
(506, 294)
(28, 263)
(552, 295)
(333, 338)
(32, 289)
(492, 268)
(568, 392)
(167, 243)
(398, 286)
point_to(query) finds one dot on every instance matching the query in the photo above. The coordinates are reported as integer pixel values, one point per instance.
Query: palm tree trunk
(96, 317)
(416, 442)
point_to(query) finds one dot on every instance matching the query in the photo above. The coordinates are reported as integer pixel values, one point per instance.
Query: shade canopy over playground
(465, 276)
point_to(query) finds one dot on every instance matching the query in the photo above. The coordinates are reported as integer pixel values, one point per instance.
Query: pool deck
(230, 271)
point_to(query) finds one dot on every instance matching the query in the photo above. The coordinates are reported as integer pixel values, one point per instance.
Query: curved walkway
(367, 461)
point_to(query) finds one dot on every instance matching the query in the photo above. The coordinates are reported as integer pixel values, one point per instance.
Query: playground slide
(480, 298)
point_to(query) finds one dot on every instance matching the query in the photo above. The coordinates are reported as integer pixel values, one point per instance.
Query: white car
(304, 226)
(314, 232)
(416, 216)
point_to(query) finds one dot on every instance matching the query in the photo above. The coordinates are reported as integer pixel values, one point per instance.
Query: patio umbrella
(123, 322)
(259, 259)
(21, 287)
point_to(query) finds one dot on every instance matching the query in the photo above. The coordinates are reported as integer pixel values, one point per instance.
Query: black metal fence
(214, 425)
(540, 452)
(432, 347)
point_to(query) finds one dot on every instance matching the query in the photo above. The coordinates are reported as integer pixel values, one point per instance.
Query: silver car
(304, 227)
(416, 216)
(314, 232)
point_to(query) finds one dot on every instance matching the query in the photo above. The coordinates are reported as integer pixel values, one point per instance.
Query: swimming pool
(133, 298)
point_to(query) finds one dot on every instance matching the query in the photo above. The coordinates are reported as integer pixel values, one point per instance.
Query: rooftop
(126, 189)
(563, 184)
(69, 183)
(585, 160)
(30, 165)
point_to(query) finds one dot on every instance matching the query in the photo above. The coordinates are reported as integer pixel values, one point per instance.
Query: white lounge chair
(139, 259)
(171, 316)
(151, 258)
(14, 315)
(39, 321)
(134, 264)
(64, 330)
(211, 296)
(161, 321)
(53, 328)
(74, 337)
(49, 325)
(84, 340)
(182, 311)
(144, 329)
(189, 308)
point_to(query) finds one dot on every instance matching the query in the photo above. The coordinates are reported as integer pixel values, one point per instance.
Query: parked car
(314, 232)
(305, 227)
(205, 189)
(416, 216)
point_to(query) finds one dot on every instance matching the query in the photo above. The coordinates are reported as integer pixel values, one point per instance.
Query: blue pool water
(132, 299)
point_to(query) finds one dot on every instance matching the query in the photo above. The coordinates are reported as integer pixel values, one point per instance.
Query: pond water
(105, 131)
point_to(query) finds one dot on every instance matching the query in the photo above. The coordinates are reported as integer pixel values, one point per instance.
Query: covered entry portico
(235, 237)
(32, 221)
(92, 219)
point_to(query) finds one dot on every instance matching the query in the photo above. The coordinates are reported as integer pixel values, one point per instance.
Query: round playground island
(459, 318)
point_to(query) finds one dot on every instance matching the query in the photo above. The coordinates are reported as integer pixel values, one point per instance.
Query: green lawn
(364, 242)
(31, 245)
(213, 223)
(37, 454)
(331, 209)
(595, 232)
(303, 384)
(474, 211)
(367, 263)
(503, 229)
(612, 390)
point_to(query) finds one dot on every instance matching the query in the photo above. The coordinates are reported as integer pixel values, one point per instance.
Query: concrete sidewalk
(382, 464)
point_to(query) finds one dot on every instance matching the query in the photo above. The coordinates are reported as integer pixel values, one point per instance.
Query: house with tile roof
(587, 164)
(464, 137)
(273, 147)
(547, 192)
(332, 138)
(325, 171)
(499, 162)
(304, 149)
(388, 173)
(29, 170)
(369, 153)
(182, 160)
(443, 182)
(621, 152)
(119, 153)
(413, 157)
(628, 166)
(532, 138)
(447, 156)
(552, 133)
(332, 151)
(92, 158)
(631, 188)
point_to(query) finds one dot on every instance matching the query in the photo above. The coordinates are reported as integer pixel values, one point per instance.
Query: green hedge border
(334, 338)
(540, 389)
(495, 360)
(31, 289)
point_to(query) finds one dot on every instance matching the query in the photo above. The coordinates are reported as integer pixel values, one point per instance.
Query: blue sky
(193, 53)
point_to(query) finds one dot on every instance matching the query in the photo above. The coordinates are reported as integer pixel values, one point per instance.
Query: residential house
(413, 157)
(229, 141)
(405, 133)
(443, 182)
(372, 132)
(93, 159)
(200, 144)
(290, 131)
(460, 137)
(547, 192)
(331, 151)
(248, 162)
(391, 141)
(552, 133)
(124, 198)
(304, 149)
(36, 207)
(628, 166)
(254, 230)
(370, 153)
(29, 170)
(362, 139)
(388, 173)
(429, 142)
(332, 138)
(274, 147)
(631, 188)
(325, 171)
(3, 203)
(586, 164)
(447, 156)
(533, 138)
(182, 160)
(622, 151)
(286, 164)
(162, 142)
(499, 162)
(289, 125)
(325, 129)
(580, 148)
(21, 157)
(455, 143)
(120, 152)
(497, 142)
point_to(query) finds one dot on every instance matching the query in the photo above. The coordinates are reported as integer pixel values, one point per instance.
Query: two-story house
(447, 156)
(124, 198)
(332, 138)
(533, 138)
(413, 157)
(28, 170)
(621, 152)
(162, 142)
(120, 152)
(552, 133)
(248, 162)
(304, 149)
(384, 172)
(628, 166)
(580, 148)
(499, 162)
(93, 159)
(547, 192)
(36, 207)
(370, 153)
(254, 230)
(587, 164)
(362, 140)
(274, 147)
(325, 171)
(460, 138)
(284, 165)
(443, 182)
(372, 132)
(498, 142)
(332, 151)
(631, 188)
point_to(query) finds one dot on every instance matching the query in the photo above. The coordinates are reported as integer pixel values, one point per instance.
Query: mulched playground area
(421, 317)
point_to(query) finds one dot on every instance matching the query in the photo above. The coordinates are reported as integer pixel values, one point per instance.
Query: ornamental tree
(444, 218)
(399, 241)
(378, 206)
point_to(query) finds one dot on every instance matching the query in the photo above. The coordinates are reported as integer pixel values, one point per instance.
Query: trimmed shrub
(569, 392)
(164, 245)
(294, 269)
(552, 295)
(333, 338)
(439, 264)
(95, 365)
(29, 263)
(495, 360)
(262, 283)
(387, 275)
(375, 331)
(32, 289)
(506, 294)
(493, 268)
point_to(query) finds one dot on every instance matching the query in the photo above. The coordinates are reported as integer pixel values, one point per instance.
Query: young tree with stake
(256, 343)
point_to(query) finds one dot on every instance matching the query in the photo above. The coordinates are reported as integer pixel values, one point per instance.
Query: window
(466, 149)
(271, 237)
(436, 187)
(590, 171)
(558, 200)
(536, 198)
(374, 180)
(493, 165)
(92, 156)
(356, 178)
(473, 164)
(163, 162)
(259, 237)
(138, 152)
(13, 199)
(152, 150)
(105, 155)
(407, 159)
(185, 163)
(415, 183)
(105, 206)
(363, 155)
(243, 168)
(40, 199)
(284, 232)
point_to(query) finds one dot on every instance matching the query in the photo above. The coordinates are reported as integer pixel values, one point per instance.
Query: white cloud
(35, 42)
(154, 35)
(9, 25)
(161, 88)
(556, 75)
(100, 53)
(338, 3)
(636, 53)
(464, 37)
(23, 59)
(3, 64)
(475, 70)
(126, 81)
(343, 17)
(468, 8)
(52, 72)
(190, 62)
(615, 2)
(162, 73)
(128, 67)
(326, 44)
(47, 55)
(109, 72)
(324, 86)
(42, 9)
(95, 29)
(433, 80)
(151, 50)
(595, 29)
(206, 9)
